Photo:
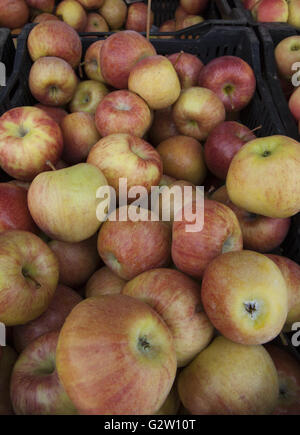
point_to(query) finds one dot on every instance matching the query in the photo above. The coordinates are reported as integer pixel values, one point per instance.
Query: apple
(29, 276)
(119, 53)
(8, 357)
(96, 23)
(91, 4)
(127, 156)
(188, 21)
(183, 159)
(294, 104)
(46, 6)
(155, 80)
(52, 81)
(223, 142)
(249, 305)
(166, 180)
(260, 233)
(80, 134)
(287, 52)
(56, 113)
(176, 298)
(289, 380)
(114, 12)
(14, 13)
(62, 303)
(92, 66)
(263, 177)
(109, 335)
(58, 200)
(248, 4)
(72, 13)
(197, 112)
(137, 17)
(167, 26)
(294, 13)
(87, 96)
(172, 403)
(180, 12)
(77, 261)
(41, 18)
(29, 138)
(55, 38)
(35, 387)
(123, 112)
(193, 6)
(163, 126)
(188, 67)
(103, 282)
(291, 273)
(229, 378)
(232, 79)
(269, 11)
(192, 252)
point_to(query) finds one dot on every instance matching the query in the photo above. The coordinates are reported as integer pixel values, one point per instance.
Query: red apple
(87, 96)
(194, 6)
(56, 113)
(41, 18)
(163, 126)
(269, 11)
(180, 12)
(104, 282)
(137, 16)
(114, 12)
(188, 67)
(8, 357)
(294, 104)
(96, 23)
(91, 4)
(14, 13)
(188, 21)
(167, 26)
(72, 13)
(92, 61)
(287, 53)
(46, 6)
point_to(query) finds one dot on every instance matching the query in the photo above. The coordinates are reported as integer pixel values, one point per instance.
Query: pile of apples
(141, 316)
(272, 11)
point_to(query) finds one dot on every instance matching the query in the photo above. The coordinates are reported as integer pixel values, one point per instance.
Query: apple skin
(14, 213)
(23, 154)
(87, 96)
(95, 23)
(183, 159)
(294, 104)
(291, 273)
(8, 357)
(260, 233)
(123, 112)
(77, 261)
(104, 282)
(92, 61)
(188, 21)
(35, 387)
(29, 276)
(52, 81)
(137, 17)
(163, 126)
(188, 67)
(229, 378)
(289, 380)
(72, 13)
(180, 12)
(119, 53)
(197, 112)
(287, 52)
(263, 177)
(46, 6)
(223, 143)
(51, 191)
(114, 334)
(269, 11)
(155, 80)
(172, 403)
(80, 135)
(41, 18)
(129, 248)
(193, 6)
(176, 298)
(167, 26)
(56, 113)
(232, 79)
(114, 12)
(55, 38)
(14, 13)
(63, 301)
(91, 4)
(127, 156)
(250, 305)
(294, 13)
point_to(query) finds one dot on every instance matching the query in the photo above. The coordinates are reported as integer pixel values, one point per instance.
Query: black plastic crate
(7, 57)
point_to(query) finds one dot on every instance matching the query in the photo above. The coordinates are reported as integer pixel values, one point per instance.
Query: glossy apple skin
(232, 79)
(87, 96)
(14, 213)
(119, 53)
(52, 81)
(77, 261)
(104, 282)
(287, 52)
(294, 104)
(289, 380)
(197, 112)
(176, 298)
(223, 143)
(56, 113)
(294, 13)
(193, 251)
(55, 38)
(95, 23)
(45, 6)
(8, 357)
(123, 112)
(194, 6)
(127, 156)
(291, 273)
(35, 386)
(62, 303)
(163, 126)
(228, 378)
(14, 13)
(260, 233)
(29, 276)
(25, 156)
(188, 67)
(72, 13)
(263, 177)
(114, 12)
(269, 11)
(80, 135)
(137, 17)
(92, 61)
(41, 18)
(129, 248)
(91, 4)
(105, 336)
(251, 278)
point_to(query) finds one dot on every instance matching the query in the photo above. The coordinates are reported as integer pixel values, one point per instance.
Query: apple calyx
(266, 153)
(23, 131)
(144, 345)
(46, 368)
(252, 308)
(227, 245)
(26, 274)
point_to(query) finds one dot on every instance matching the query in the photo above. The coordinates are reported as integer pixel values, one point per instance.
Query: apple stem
(179, 56)
(51, 165)
(27, 276)
(283, 339)
(256, 128)
(148, 19)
